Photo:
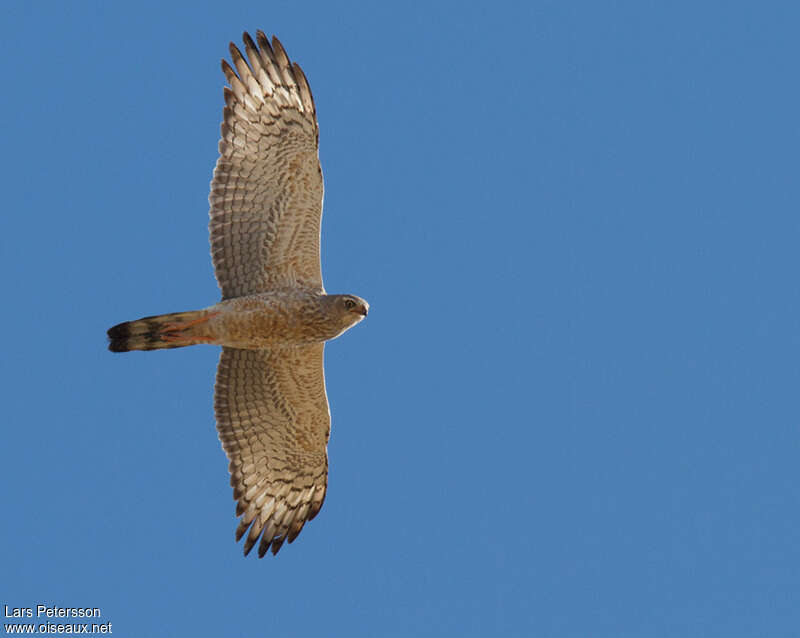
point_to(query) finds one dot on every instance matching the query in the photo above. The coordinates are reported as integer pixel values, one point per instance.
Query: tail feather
(157, 332)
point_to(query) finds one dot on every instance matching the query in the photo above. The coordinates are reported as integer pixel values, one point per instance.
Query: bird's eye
(349, 304)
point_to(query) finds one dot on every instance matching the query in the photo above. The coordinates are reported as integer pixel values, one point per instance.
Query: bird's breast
(269, 321)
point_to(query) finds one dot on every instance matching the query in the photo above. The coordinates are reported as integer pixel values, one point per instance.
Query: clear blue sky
(573, 410)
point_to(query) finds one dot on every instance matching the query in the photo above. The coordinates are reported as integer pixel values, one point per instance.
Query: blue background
(573, 409)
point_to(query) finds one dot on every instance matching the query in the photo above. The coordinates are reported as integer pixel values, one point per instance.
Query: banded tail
(173, 330)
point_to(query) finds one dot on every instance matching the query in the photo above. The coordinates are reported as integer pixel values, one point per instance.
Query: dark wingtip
(240, 532)
(276, 544)
(248, 545)
(263, 547)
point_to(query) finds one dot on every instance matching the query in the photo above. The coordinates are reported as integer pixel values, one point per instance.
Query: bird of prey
(275, 316)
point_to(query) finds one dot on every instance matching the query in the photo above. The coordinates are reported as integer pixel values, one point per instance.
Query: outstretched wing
(266, 194)
(273, 421)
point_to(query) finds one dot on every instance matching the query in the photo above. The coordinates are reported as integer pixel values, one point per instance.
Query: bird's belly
(266, 326)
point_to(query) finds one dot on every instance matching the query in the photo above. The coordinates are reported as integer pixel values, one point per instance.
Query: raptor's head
(356, 306)
(349, 309)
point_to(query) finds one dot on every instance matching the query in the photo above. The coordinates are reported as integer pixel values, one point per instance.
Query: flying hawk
(275, 316)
